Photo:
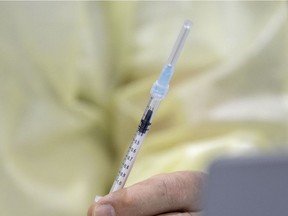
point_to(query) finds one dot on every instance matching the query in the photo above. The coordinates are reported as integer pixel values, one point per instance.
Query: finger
(181, 214)
(173, 192)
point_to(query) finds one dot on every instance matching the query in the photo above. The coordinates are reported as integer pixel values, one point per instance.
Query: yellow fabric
(75, 79)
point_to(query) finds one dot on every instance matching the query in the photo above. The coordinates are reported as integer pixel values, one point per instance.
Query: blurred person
(75, 78)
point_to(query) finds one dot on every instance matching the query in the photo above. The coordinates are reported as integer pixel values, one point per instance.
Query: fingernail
(104, 210)
(97, 198)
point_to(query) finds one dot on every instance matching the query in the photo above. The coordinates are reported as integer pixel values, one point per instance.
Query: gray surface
(247, 187)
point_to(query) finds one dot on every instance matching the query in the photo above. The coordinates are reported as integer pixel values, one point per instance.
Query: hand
(166, 194)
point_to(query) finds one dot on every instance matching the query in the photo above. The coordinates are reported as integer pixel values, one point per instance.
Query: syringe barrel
(136, 144)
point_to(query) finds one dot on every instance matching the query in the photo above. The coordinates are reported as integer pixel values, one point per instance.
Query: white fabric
(75, 78)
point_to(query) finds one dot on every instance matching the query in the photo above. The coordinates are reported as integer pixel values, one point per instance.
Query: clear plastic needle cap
(179, 43)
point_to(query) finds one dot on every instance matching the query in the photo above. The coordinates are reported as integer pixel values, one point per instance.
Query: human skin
(177, 193)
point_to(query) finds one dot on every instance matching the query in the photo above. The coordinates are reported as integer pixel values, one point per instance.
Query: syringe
(158, 93)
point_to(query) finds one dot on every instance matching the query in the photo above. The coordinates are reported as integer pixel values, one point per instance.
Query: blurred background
(75, 79)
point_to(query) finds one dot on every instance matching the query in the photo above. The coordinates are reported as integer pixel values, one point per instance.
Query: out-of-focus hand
(166, 194)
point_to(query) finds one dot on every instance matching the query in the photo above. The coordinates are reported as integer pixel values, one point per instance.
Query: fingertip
(91, 209)
(105, 209)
